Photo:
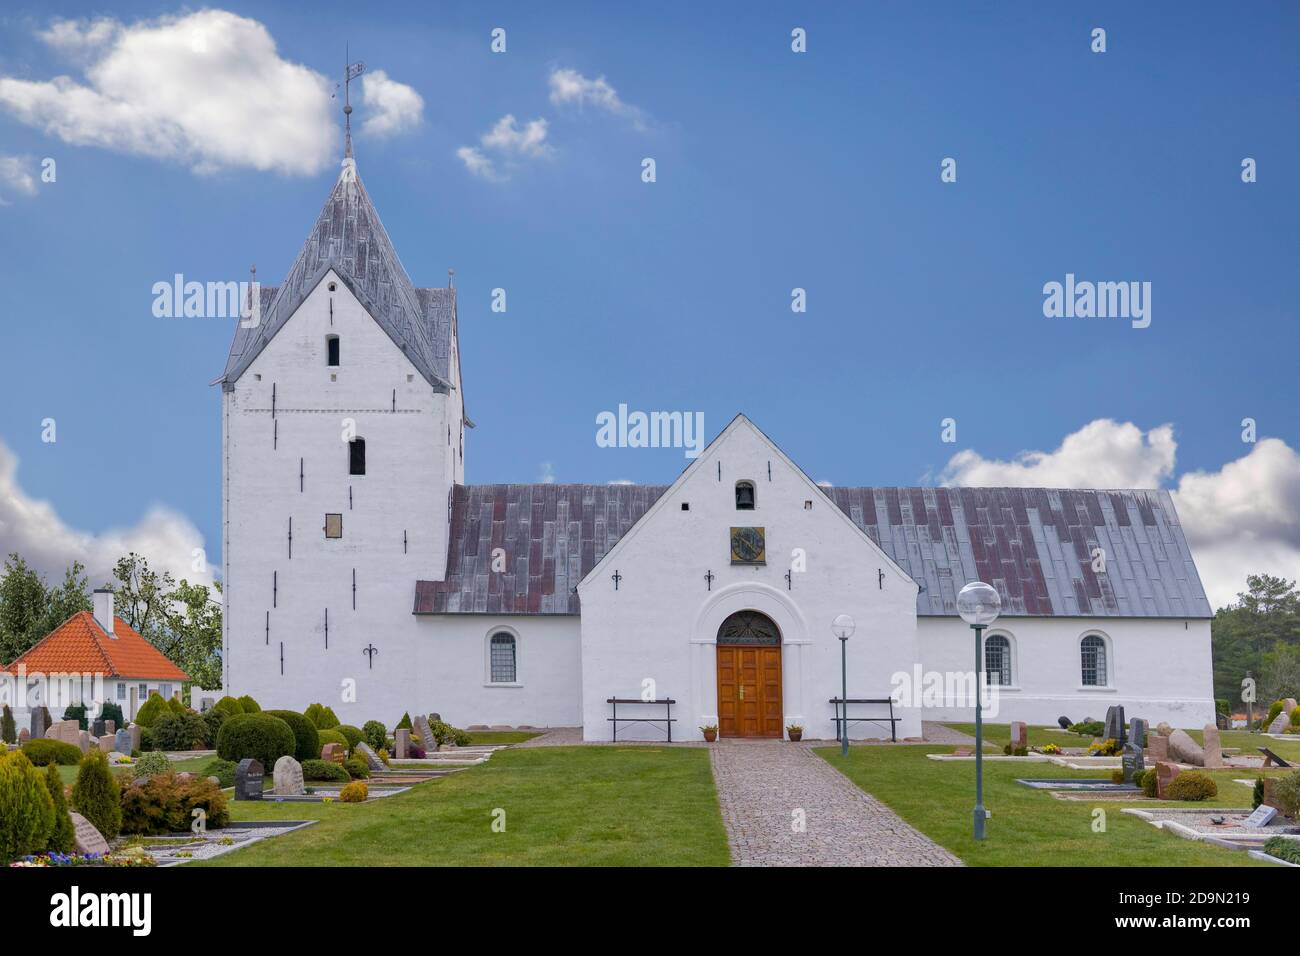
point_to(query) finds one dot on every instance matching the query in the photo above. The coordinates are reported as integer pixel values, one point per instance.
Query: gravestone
(372, 758)
(1158, 747)
(134, 731)
(1280, 723)
(97, 728)
(85, 741)
(1019, 735)
(122, 741)
(1271, 759)
(402, 743)
(86, 839)
(24, 735)
(1165, 774)
(1213, 748)
(1262, 816)
(421, 727)
(69, 731)
(1115, 724)
(110, 727)
(1288, 705)
(1063, 723)
(108, 743)
(248, 779)
(334, 753)
(288, 777)
(1133, 761)
(40, 722)
(1185, 750)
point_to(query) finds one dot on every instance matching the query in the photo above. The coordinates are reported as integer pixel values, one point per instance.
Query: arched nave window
(501, 658)
(997, 660)
(1092, 657)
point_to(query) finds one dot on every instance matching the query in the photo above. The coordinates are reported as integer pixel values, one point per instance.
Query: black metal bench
(667, 719)
(845, 718)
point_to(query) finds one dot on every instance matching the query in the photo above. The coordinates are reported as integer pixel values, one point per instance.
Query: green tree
(1246, 636)
(181, 620)
(24, 603)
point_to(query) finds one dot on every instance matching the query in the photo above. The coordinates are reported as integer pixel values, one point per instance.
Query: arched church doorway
(749, 676)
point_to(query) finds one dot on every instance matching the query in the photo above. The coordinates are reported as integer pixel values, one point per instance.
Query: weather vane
(350, 72)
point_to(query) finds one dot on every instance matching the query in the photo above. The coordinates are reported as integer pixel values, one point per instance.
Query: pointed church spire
(350, 72)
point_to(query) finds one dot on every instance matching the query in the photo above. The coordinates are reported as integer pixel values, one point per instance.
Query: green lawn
(1028, 827)
(1000, 734)
(564, 806)
(491, 738)
(1249, 743)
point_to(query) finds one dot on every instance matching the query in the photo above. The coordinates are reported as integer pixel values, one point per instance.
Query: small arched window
(501, 658)
(744, 496)
(332, 351)
(997, 660)
(357, 456)
(1092, 656)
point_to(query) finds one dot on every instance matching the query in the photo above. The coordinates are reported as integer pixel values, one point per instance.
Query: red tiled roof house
(96, 645)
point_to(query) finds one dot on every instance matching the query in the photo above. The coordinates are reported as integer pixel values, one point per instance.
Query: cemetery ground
(564, 806)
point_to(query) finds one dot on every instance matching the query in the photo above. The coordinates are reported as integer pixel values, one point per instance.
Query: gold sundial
(748, 546)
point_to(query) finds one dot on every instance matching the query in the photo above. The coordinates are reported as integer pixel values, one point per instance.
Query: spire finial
(350, 72)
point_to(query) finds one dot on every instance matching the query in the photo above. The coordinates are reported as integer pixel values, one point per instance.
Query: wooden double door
(749, 691)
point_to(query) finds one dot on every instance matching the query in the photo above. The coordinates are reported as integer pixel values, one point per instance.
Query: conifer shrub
(250, 706)
(324, 770)
(26, 808)
(183, 731)
(306, 738)
(404, 723)
(96, 796)
(212, 721)
(320, 715)
(1149, 781)
(376, 734)
(166, 804)
(175, 706)
(260, 736)
(43, 751)
(355, 792)
(151, 710)
(229, 706)
(8, 732)
(330, 737)
(1274, 709)
(61, 836)
(111, 711)
(357, 769)
(353, 734)
(151, 764)
(1192, 785)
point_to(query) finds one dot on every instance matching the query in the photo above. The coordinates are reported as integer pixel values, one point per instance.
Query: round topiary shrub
(376, 734)
(322, 716)
(353, 734)
(151, 710)
(355, 792)
(1192, 785)
(42, 752)
(26, 809)
(183, 731)
(357, 769)
(325, 770)
(212, 721)
(260, 736)
(61, 837)
(306, 737)
(229, 706)
(331, 737)
(250, 706)
(151, 764)
(96, 796)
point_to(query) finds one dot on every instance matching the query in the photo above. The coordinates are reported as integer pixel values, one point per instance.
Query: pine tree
(61, 840)
(96, 795)
(8, 733)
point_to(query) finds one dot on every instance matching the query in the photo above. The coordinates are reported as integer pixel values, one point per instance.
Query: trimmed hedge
(322, 716)
(260, 736)
(357, 769)
(353, 735)
(355, 792)
(330, 737)
(249, 705)
(306, 737)
(183, 731)
(43, 751)
(325, 770)
(229, 706)
(26, 809)
(151, 710)
(1192, 785)
(96, 795)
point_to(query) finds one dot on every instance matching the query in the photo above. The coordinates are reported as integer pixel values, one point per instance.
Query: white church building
(360, 570)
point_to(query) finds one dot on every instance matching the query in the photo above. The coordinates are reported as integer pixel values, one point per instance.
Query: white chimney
(103, 604)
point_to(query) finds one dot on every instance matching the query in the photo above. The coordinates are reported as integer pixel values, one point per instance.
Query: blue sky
(775, 170)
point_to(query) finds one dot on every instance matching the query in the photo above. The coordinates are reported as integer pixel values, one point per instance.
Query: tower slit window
(332, 351)
(357, 456)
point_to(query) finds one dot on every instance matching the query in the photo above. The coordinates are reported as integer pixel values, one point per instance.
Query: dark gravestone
(1137, 732)
(1063, 723)
(1115, 725)
(40, 722)
(248, 779)
(97, 728)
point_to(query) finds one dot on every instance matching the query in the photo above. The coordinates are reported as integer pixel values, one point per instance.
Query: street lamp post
(978, 604)
(842, 627)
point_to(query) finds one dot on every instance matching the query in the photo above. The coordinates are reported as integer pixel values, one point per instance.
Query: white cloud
(1101, 454)
(391, 107)
(33, 529)
(508, 143)
(16, 176)
(1242, 519)
(207, 89)
(569, 87)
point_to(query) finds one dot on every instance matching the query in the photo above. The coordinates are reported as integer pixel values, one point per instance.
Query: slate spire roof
(349, 238)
